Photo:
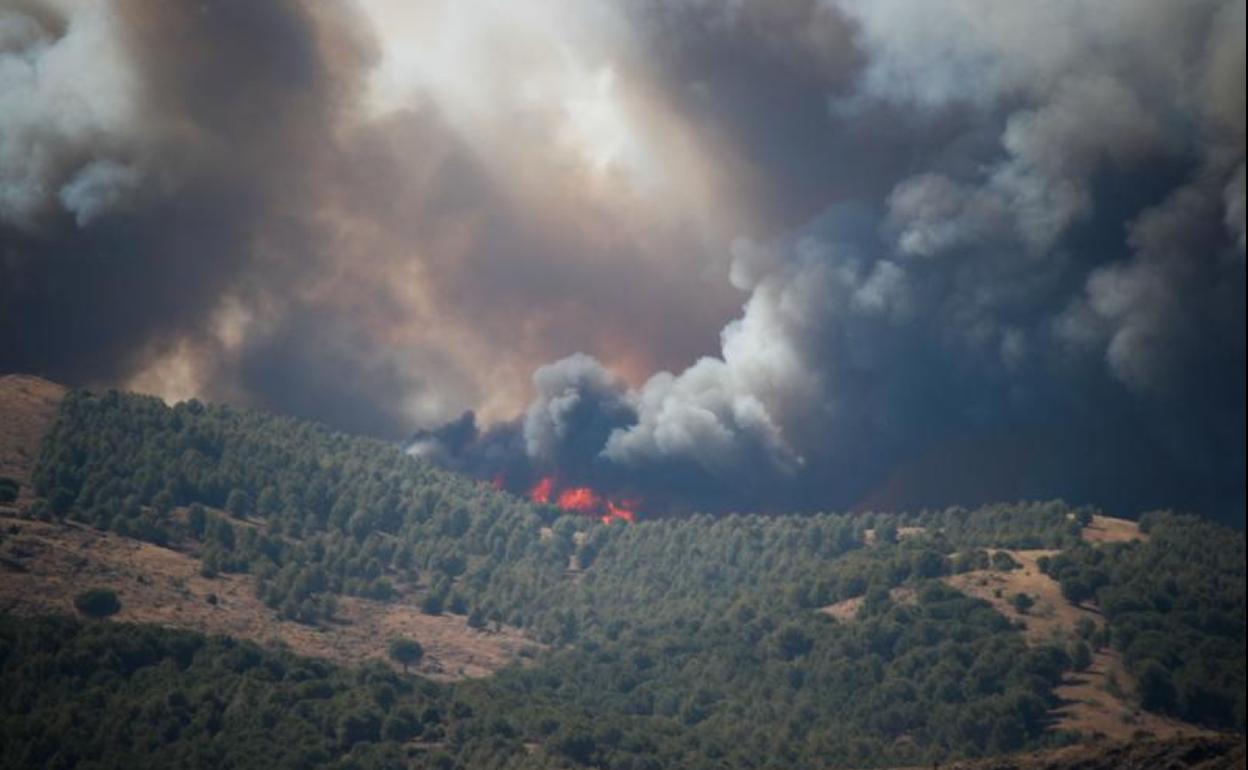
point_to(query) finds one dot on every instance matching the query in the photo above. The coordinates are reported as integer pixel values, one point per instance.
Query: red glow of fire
(583, 500)
(540, 493)
(618, 512)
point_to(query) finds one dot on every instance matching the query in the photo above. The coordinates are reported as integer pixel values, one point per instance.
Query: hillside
(27, 407)
(678, 643)
(1195, 753)
(45, 564)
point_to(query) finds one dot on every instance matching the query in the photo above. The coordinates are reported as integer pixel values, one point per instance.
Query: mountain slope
(676, 643)
(28, 405)
(1190, 753)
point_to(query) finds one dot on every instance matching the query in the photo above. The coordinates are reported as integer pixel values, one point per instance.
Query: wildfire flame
(540, 493)
(582, 500)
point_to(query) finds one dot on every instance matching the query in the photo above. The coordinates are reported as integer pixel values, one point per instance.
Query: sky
(746, 255)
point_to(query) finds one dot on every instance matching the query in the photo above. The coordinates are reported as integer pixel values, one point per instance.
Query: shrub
(97, 602)
(433, 604)
(1001, 560)
(1022, 603)
(1080, 655)
(8, 489)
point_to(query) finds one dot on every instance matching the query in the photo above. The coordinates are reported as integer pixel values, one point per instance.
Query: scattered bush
(9, 489)
(97, 602)
(1022, 603)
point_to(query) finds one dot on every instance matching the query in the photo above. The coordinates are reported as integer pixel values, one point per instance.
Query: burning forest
(582, 500)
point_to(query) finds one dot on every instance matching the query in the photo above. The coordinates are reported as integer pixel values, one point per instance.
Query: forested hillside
(681, 643)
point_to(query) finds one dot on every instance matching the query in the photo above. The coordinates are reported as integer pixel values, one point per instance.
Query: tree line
(694, 642)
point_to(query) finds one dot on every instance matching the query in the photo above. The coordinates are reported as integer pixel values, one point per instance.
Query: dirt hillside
(1096, 701)
(44, 565)
(27, 406)
(1209, 752)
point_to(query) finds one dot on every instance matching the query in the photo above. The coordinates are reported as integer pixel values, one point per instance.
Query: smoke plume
(766, 255)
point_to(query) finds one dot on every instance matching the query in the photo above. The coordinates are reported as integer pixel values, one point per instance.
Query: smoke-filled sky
(760, 254)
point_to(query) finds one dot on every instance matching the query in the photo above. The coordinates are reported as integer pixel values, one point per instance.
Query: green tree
(886, 532)
(1077, 588)
(1080, 655)
(97, 602)
(929, 564)
(1002, 561)
(222, 533)
(1022, 603)
(197, 520)
(792, 642)
(406, 652)
(576, 743)
(433, 603)
(162, 502)
(1156, 688)
(238, 503)
(8, 489)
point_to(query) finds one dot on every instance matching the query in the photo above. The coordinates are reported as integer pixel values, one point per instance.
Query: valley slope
(814, 641)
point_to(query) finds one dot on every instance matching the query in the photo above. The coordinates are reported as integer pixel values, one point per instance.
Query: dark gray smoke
(955, 251)
(159, 161)
(1050, 302)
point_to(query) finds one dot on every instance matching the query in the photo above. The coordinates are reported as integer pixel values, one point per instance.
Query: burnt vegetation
(681, 643)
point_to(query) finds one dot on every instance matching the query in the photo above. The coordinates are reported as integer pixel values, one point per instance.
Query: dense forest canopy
(678, 643)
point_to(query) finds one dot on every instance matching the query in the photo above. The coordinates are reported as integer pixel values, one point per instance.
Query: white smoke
(101, 186)
(68, 106)
(968, 266)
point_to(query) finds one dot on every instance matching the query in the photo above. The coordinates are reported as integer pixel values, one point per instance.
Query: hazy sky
(774, 254)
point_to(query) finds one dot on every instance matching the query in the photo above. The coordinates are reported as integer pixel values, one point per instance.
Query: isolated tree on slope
(406, 652)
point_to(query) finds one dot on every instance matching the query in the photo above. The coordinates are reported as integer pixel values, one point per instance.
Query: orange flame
(579, 499)
(540, 493)
(618, 512)
(583, 500)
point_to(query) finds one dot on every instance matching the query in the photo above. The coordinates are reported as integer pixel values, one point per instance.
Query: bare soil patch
(1051, 616)
(27, 407)
(1091, 704)
(44, 565)
(1205, 752)
(1107, 529)
(846, 610)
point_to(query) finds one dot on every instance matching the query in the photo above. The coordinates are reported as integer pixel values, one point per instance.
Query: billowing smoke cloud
(1053, 308)
(954, 251)
(66, 97)
(159, 169)
(348, 213)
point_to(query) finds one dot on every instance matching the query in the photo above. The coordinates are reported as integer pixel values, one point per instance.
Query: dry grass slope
(1095, 701)
(27, 407)
(1205, 752)
(44, 565)
(1106, 529)
(846, 610)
